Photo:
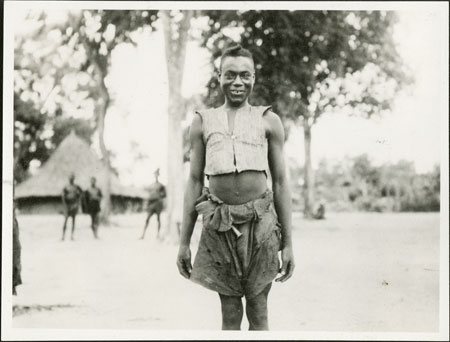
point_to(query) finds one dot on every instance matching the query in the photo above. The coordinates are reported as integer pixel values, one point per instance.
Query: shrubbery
(356, 184)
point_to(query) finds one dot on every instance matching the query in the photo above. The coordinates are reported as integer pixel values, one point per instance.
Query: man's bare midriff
(238, 188)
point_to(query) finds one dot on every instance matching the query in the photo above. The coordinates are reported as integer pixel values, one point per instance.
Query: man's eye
(246, 76)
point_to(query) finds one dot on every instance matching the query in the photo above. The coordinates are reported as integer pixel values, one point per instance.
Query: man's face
(237, 77)
(71, 179)
(93, 181)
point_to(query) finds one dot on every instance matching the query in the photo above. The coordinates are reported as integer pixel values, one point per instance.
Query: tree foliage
(29, 142)
(310, 62)
(64, 125)
(47, 90)
(36, 134)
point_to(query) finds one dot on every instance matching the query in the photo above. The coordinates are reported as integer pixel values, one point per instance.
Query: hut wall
(122, 205)
(40, 205)
(53, 205)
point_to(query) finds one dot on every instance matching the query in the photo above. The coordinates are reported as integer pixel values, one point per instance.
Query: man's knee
(232, 312)
(256, 310)
(257, 303)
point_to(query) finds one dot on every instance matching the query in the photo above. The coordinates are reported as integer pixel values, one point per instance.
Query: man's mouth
(237, 92)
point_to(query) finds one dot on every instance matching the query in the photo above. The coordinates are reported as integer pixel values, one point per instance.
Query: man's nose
(237, 81)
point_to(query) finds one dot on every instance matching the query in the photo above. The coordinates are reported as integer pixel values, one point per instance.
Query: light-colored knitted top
(243, 149)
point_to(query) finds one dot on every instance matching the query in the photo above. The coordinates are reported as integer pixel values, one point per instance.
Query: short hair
(235, 51)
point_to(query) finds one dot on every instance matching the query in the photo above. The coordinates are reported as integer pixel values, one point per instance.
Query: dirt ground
(355, 272)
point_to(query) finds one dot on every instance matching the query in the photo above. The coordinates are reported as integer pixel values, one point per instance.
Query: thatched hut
(41, 193)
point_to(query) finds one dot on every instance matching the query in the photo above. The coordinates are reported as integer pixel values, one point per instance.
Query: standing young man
(93, 198)
(71, 198)
(244, 223)
(155, 202)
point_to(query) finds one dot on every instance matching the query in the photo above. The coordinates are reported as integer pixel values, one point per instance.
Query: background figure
(319, 212)
(319, 208)
(93, 197)
(155, 202)
(71, 198)
(17, 278)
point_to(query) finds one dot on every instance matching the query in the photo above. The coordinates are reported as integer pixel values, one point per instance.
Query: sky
(137, 121)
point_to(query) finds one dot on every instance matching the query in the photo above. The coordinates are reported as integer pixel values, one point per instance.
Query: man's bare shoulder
(196, 124)
(196, 128)
(271, 117)
(273, 123)
(197, 119)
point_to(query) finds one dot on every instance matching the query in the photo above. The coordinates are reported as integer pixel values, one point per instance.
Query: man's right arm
(193, 191)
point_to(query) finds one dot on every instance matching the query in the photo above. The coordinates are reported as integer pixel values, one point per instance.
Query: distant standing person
(93, 198)
(71, 198)
(155, 202)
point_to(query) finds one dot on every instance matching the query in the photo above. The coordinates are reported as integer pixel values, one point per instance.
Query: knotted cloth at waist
(222, 216)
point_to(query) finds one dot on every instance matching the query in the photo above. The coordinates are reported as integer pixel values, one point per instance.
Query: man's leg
(158, 216)
(96, 223)
(73, 227)
(256, 310)
(232, 312)
(150, 213)
(93, 223)
(64, 226)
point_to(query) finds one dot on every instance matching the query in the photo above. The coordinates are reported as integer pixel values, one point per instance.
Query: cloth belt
(223, 216)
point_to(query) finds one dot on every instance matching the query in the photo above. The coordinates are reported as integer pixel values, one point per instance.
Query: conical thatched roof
(73, 155)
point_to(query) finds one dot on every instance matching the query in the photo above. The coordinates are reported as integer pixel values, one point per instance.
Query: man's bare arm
(280, 187)
(194, 188)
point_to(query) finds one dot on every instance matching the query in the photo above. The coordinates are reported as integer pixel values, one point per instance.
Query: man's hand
(184, 261)
(287, 264)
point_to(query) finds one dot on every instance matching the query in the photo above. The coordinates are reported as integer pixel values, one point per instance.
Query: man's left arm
(280, 187)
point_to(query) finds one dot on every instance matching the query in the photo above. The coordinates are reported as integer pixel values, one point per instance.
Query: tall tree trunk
(308, 193)
(106, 199)
(175, 37)
(102, 71)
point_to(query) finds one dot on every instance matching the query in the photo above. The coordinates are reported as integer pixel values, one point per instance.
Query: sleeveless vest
(243, 149)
